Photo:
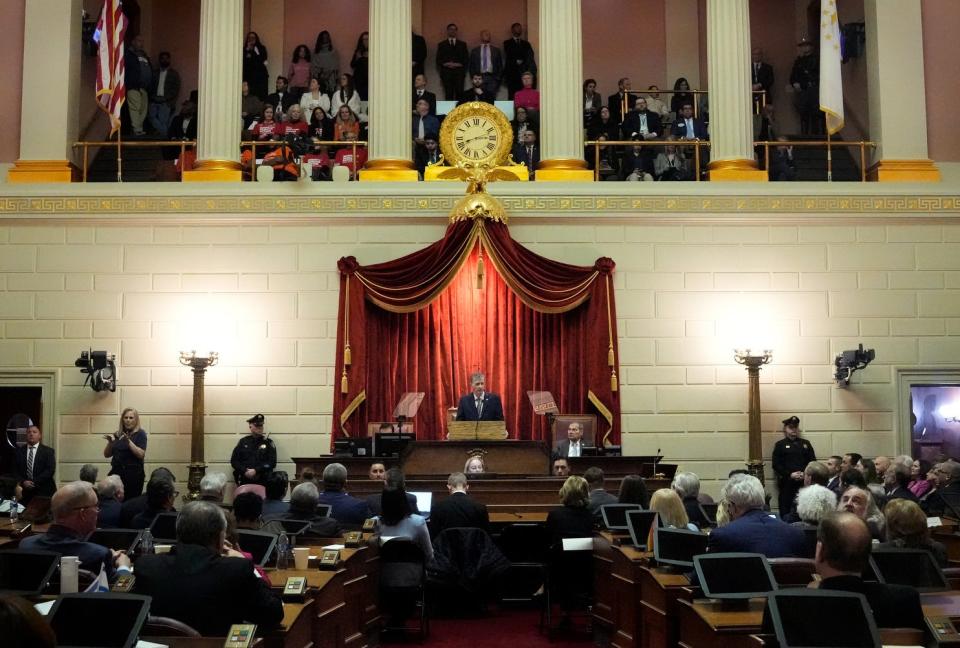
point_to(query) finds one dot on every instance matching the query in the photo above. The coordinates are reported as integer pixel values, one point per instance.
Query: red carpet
(511, 628)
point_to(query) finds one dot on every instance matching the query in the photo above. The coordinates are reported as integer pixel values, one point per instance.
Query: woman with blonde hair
(573, 519)
(126, 449)
(669, 507)
(907, 529)
(474, 465)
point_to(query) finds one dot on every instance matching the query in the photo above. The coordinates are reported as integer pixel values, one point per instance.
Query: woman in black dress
(126, 449)
(255, 65)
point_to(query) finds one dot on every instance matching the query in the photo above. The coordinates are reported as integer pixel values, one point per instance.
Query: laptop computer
(843, 619)
(294, 527)
(26, 573)
(323, 510)
(164, 527)
(615, 516)
(102, 620)
(734, 576)
(116, 539)
(259, 544)
(913, 567)
(424, 501)
(639, 524)
(710, 512)
(677, 547)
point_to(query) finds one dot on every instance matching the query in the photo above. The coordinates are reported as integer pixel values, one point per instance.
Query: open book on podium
(476, 430)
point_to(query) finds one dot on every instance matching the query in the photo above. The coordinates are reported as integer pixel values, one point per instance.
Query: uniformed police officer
(255, 456)
(791, 454)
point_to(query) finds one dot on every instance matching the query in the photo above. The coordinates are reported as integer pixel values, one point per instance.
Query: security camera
(100, 368)
(849, 361)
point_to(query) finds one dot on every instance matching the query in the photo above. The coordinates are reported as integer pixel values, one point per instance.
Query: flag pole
(829, 159)
(120, 154)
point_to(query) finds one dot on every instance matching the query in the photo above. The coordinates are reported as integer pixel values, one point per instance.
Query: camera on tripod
(100, 368)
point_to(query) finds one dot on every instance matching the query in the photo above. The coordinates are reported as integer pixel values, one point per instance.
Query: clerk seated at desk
(479, 404)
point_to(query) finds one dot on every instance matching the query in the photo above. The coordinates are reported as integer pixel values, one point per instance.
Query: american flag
(111, 92)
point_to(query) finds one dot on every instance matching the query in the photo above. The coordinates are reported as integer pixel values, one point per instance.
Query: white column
(390, 142)
(894, 71)
(731, 107)
(218, 115)
(51, 90)
(561, 87)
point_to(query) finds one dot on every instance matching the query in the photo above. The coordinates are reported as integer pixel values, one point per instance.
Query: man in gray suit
(598, 496)
(487, 60)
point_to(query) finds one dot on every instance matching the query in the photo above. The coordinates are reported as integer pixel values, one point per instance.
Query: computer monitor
(26, 573)
(102, 620)
(639, 524)
(391, 445)
(809, 618)
(677, 547)
(259, 544)
(116, 539)
(734, 575)
(424, 501)
(164, 527)
(295, 527)
(323, 510)
(710, 512)
(913, 567)
(615, 515)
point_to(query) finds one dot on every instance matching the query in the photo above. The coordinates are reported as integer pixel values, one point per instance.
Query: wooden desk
(509, 517)
(661, 591)
(296, 631)
(706, 624)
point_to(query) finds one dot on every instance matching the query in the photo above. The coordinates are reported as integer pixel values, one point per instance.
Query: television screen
(915, 568)
(258, 544)
(842, 619)
(734, 575)
(116, 539)
(678, 546)
(164, 527)
(26, 572)
(78, 619)
(639, 523)
(615, 515)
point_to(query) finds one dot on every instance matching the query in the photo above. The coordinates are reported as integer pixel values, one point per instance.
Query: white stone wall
(686, 294)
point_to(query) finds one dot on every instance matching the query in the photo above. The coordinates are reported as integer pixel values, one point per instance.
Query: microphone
(655, 462)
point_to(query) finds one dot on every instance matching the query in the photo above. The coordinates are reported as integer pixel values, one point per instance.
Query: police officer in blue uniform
(791, 454)
(255, 456)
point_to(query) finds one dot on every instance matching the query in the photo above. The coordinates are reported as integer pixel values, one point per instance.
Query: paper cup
(301, 557)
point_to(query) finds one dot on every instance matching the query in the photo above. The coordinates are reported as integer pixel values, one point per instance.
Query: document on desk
(44, 608)
(149, 644)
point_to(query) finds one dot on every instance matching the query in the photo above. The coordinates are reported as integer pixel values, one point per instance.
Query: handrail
(861, 144)
(597, 144)
(624, 108)
(253, 148)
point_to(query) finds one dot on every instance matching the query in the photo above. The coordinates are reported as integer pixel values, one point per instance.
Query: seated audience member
(814, 502)
(201, 570)
(669, 507)
(392, 478)
(276, 490)
(522, 122)
(638, 164)
(688, 127)
(687, 486)
(633, 490)
(424, 123)
(133, 506)
(528, 152)
(657, 105)
(907, 529)
(161, 495)
(398, 520)
(751, 529)
(603, 128)
(348, 511)
(428, 154)
(681, 96)
(110, 497)
(598, 496)
(641, 123)
(346, 158)
(320, 127)
(944, 497)
(881, 463)
(295, 125)
(842, 554)
(459, 509)
(833, 467)
(671, 165)
(74, 508)
(303, 506)
(282, 99)
(476, 92)
(474, 465)
(859, 501)
(88, 473)
(527, 97)
(248, 510)
(573, 519)
(251, 106)
(21, 626)
(783, 168)
(347, 95)
(420, 92)
(561, 467)
(816, 472)
(345, 122)
(212, 486)
(266, 128)
(314, 98)
(592, 101)
(896, 481)
(921, 482)
(850, 460)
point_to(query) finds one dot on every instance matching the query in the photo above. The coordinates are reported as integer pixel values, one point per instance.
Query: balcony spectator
(689, 127)
(347, 95)
(670, 164)
(139, 79)
(657, 105)
(251, 106)
(428, 154)
(642, 123)
(325, 63)
(282, 99)
(528, 152)
(518, 58)
(346, 122)
(762, 79)
(314, 98)
(420, 92)
(296, 125)
(681, 95)
(266, 128)
(361, 65)
(522, 122)
(163, 95)
(620, 102)
(805, 79)
(782, 166)
(424, 123)
(452, 60)
(345, 156)
(255, 65)
(321, 127)
(476, 91)
(592, 101)
(603, 128)
(419, 53)
(638, 164)
(527, 97)
(487, 61)
(299, 71)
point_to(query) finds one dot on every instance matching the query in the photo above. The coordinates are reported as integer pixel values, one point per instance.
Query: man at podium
(479, 404)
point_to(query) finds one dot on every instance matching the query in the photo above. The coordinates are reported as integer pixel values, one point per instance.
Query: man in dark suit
(349, 511)
(36, 464)
(427, 154)
(424, 123)
(479, 404)
(518, 58)
(110, 495)
(419, 53)
(392, 479)
(134, 506)
(202, 569)
(751, 529)
(598, 496)
(303, 506)
(420, 92)
(528, 152)
(573, 445)
(161, 497)
(895, 481)
(452, 60)
(761, 78)
(833, 466)
(282, 99)
(843, 549)
(688, 127)
(476, 91)
(74, 509)
(487, 61)
(459, 509)
(640, 123)
(622, 97)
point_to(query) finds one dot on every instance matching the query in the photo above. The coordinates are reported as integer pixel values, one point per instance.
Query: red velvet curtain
(420, 323)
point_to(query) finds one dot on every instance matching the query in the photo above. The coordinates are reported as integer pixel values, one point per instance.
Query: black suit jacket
(447, 53)
(458, 510)
(902, 492)
(496, 60)
(492, 408)
(615, 104)
(205, 590)
(419, 54)
(429, 96)
(285, 102)
(699, 128)
(520, 155)
(44, 467)
(569, 522)
(518, 58)
(631, 124)
(563, 447)
(763, 76)
(470, 95)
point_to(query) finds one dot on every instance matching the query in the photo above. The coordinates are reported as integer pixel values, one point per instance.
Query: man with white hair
(211, 487)
(687, 486)
(814, 503)
(110, 493)
(751, 529)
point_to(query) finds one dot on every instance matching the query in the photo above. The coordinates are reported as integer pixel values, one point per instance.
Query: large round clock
(476, 133)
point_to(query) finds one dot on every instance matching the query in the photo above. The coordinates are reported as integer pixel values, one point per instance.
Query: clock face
(476, 139)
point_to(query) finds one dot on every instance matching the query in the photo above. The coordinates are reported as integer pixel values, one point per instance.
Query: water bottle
(146, 542)
(14, 511)
(283, 551)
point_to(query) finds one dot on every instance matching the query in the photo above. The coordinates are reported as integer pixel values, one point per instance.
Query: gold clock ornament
(476, 133)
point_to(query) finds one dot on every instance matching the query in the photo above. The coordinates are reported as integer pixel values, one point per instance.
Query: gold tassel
(347, 358)
(344, 385)
(610, 356)
(481, 272)
(613, 380)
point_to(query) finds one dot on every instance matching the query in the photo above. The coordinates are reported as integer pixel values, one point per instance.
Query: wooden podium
(476, 430)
